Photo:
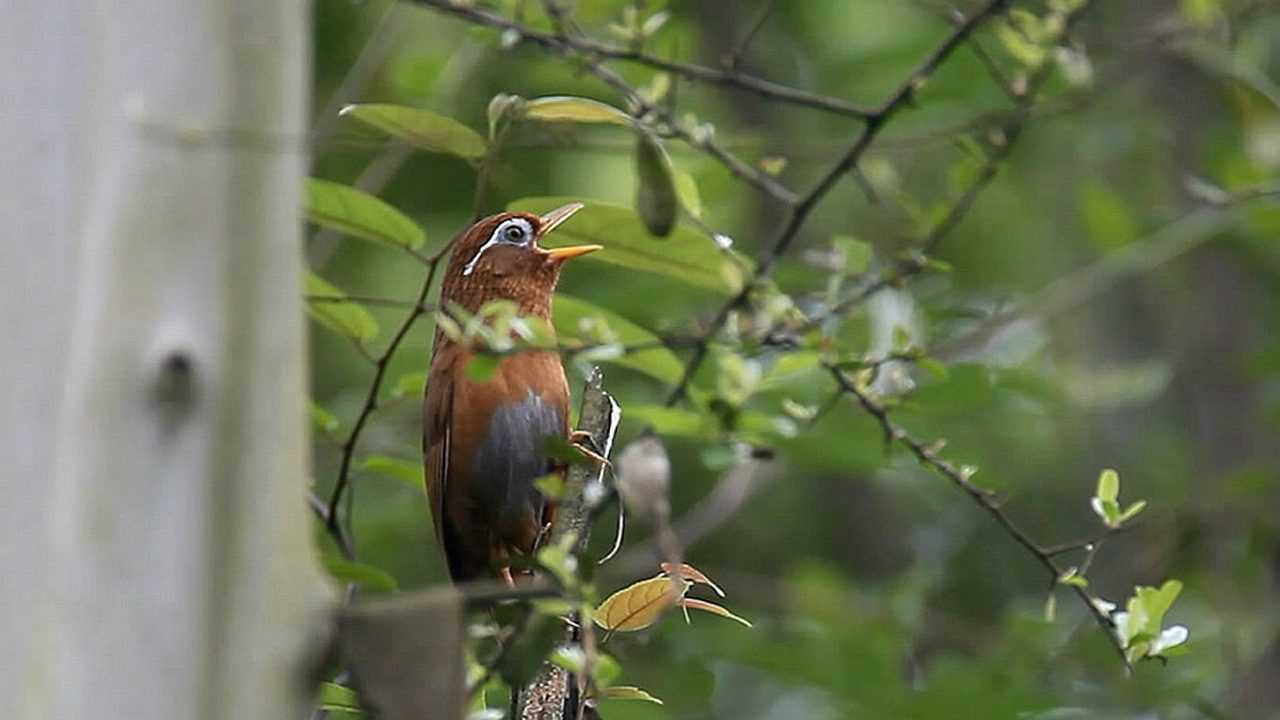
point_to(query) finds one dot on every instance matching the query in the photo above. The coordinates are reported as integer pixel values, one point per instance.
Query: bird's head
(499, 258)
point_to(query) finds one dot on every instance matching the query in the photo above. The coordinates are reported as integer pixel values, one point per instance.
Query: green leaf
(1108, 485)
(1106, 216)
(689, 257)
(552, 486)
(568, 108)
(366, 576)
(561, 563)
(1158, 601)
(359, 214)
(605, 670)
(503, 107)
(410, 473)
(411, 384)
(1108, 510)
(573, 315)
(1131, 511)
(336, 312)
(1073, 577)
(656, 201)
(323, 419)
(338, 698)
(482, 367)
(420, 128)
(856, 253)
(687, 191)
(1016, 44)
(933, 366)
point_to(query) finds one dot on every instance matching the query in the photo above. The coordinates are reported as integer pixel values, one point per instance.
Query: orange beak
(551, 221)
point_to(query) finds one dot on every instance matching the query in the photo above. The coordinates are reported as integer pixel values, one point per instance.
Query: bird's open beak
(551, 221)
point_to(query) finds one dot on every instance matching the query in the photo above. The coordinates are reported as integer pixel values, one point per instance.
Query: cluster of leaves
(631, 609)
(1139, 627)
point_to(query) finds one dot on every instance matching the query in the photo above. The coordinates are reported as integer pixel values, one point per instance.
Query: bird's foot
(505, 574)
(585, 444)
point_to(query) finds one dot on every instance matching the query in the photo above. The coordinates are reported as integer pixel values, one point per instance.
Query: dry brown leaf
(691, 574)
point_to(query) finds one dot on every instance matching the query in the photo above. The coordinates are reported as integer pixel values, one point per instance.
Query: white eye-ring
(516, 231)
(513, 233)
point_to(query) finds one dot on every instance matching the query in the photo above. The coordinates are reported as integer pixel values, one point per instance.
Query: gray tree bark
(153, 537)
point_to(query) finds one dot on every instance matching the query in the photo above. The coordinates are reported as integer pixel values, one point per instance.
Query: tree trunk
(153, 530)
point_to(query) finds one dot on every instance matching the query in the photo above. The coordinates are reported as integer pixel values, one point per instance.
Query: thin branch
(587, 46)
(736, 56)
(997, 152)
(367, 300)
(901, 97)
(993, 68)
(752, 176)
(875, 122)
(583, 49)
(927, 455)
(340, 537)
(375, 386)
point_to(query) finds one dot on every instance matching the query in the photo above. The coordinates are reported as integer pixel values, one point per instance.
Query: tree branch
(875, 122)
(730, 78)
(371, 400)
(927, 454)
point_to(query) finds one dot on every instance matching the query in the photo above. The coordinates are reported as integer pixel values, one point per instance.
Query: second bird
(484, 441)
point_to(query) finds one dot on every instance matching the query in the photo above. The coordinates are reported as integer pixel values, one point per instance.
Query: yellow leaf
(714, 609)
(638, 605)
(566, 108)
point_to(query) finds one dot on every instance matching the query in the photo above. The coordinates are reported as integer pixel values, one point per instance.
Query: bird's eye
(515, 233)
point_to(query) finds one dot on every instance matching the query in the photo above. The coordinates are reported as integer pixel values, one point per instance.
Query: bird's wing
(437, 435)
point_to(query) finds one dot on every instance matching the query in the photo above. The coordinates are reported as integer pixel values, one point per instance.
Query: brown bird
(484, 442)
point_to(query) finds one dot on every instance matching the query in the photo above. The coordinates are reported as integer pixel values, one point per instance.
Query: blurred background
(1147, 302)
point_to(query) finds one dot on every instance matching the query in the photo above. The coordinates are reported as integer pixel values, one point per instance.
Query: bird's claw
(583, 442)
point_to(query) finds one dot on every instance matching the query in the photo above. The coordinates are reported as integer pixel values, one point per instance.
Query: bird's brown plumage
(482, 441)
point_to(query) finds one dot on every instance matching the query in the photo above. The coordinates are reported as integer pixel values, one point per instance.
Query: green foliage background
(876, 589)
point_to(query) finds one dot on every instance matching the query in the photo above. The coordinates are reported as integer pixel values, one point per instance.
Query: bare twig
(801, 210)
(371, 397)
(736, 56)
(997, 151)
(366, 300)
(590, 47)
(927, 454)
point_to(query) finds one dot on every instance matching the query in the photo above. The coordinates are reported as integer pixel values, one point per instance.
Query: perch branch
(549, 694)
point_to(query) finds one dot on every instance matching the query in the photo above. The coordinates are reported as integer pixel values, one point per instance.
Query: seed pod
(655, 190)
